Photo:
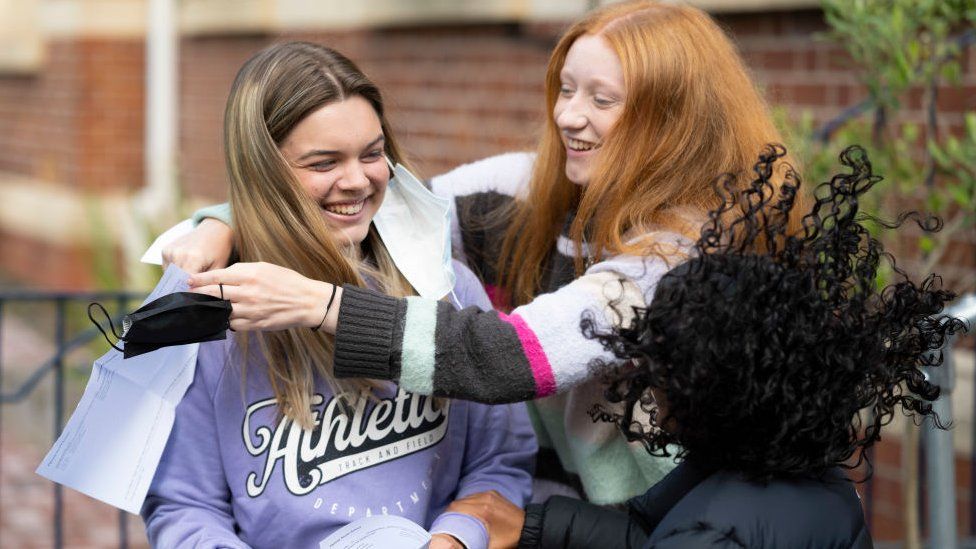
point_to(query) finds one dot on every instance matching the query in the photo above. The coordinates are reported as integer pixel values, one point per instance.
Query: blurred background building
(87, 87)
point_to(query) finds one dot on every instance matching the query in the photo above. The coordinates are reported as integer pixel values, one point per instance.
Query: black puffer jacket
(691, 508)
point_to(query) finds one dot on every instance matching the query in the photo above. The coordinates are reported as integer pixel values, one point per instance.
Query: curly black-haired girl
(767, 362)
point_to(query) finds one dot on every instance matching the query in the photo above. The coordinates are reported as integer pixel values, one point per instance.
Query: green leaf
(909, 132)
(969, 119)
(953, 148)
(961, 195)
(940, 157)
(926, 244)
(951, 72)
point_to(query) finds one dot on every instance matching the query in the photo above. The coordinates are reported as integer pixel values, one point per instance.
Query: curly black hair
(778, 354)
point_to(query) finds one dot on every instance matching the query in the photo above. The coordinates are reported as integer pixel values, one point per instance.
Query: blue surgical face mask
(415, 225)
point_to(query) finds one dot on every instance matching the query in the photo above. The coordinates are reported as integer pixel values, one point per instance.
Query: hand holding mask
(174, 319)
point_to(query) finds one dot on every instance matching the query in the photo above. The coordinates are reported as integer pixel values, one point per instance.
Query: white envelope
(378, 532)
(154, 255)
(112, 444)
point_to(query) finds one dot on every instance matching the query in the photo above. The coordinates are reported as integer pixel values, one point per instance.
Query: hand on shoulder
(206, 247)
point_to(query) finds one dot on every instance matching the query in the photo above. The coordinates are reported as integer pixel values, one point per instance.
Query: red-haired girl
(647, 103)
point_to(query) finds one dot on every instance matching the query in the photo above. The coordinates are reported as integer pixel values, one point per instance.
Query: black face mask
(174, 319)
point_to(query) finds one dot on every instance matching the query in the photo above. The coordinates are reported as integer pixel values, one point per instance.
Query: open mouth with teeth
(579, 145)
(345, 208)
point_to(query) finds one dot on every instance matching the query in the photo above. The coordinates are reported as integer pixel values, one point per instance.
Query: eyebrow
(598, 80)
(322, 152)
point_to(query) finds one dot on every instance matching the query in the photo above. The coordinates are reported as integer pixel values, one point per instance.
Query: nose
(354, 178)
(572, 115)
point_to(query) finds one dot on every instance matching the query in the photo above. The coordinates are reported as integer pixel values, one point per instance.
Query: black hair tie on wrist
(327, 307)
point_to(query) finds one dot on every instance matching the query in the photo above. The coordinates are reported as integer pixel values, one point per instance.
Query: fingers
(231, 293)
(243, 314)
(191, 263)
(233, 276)
(444, 541)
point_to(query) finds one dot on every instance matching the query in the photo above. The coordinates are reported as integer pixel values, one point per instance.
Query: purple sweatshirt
(233, 476)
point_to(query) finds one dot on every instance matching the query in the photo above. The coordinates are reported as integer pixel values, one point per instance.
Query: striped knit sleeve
(536, 351)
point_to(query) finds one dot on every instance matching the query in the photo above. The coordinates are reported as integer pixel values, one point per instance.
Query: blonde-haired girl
(269, 448)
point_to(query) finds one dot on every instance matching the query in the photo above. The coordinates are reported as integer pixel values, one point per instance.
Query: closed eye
(322, 166)
(373, 155)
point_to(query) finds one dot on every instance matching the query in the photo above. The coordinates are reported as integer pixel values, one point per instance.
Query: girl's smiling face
(337, 154)
(591, 100)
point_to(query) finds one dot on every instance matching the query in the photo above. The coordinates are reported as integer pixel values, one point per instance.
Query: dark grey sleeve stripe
(479, 357)
(364, 336)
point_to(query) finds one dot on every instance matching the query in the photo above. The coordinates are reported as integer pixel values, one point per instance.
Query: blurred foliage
(899, 44)
(104, 264)
(899, 48)
(115, 261)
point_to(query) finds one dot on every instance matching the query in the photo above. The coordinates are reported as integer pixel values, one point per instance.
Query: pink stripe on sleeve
(545, 382)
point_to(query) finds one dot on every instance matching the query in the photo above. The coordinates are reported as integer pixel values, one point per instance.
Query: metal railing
(937, 445)
(56, 367)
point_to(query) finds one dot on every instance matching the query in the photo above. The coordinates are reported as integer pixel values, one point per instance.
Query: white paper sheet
(154, 254)
(378, 532)
(112, 443)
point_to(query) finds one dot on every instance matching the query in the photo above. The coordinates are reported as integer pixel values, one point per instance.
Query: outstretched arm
(431, 348)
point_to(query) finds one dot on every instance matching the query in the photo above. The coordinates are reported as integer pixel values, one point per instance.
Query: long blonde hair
(691, 113)
(277, 222)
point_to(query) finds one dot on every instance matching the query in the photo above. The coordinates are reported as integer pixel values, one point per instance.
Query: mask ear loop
(99, 326)
(391, 166)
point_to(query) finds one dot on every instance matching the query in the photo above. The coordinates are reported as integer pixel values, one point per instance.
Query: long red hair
(691, 113)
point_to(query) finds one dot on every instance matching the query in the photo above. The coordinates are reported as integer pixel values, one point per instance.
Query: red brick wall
(79, 120)
(76, 123)
(454, 95)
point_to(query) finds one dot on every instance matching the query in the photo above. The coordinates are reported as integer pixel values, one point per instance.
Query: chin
(355, 236)
(578, 173)
(350, 236)
(577, 178)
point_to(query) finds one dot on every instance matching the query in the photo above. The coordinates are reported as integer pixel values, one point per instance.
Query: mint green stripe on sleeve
(417, 358)
(220, 212)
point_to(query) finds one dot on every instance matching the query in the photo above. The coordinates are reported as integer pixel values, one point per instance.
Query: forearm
(490, 357)
(467, 529)
(430, 348)
(565, 523)
(499, 452)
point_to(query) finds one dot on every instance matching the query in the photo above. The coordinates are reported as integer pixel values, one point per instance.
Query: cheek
(605, 122)
(315, 184)
(379, 174)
